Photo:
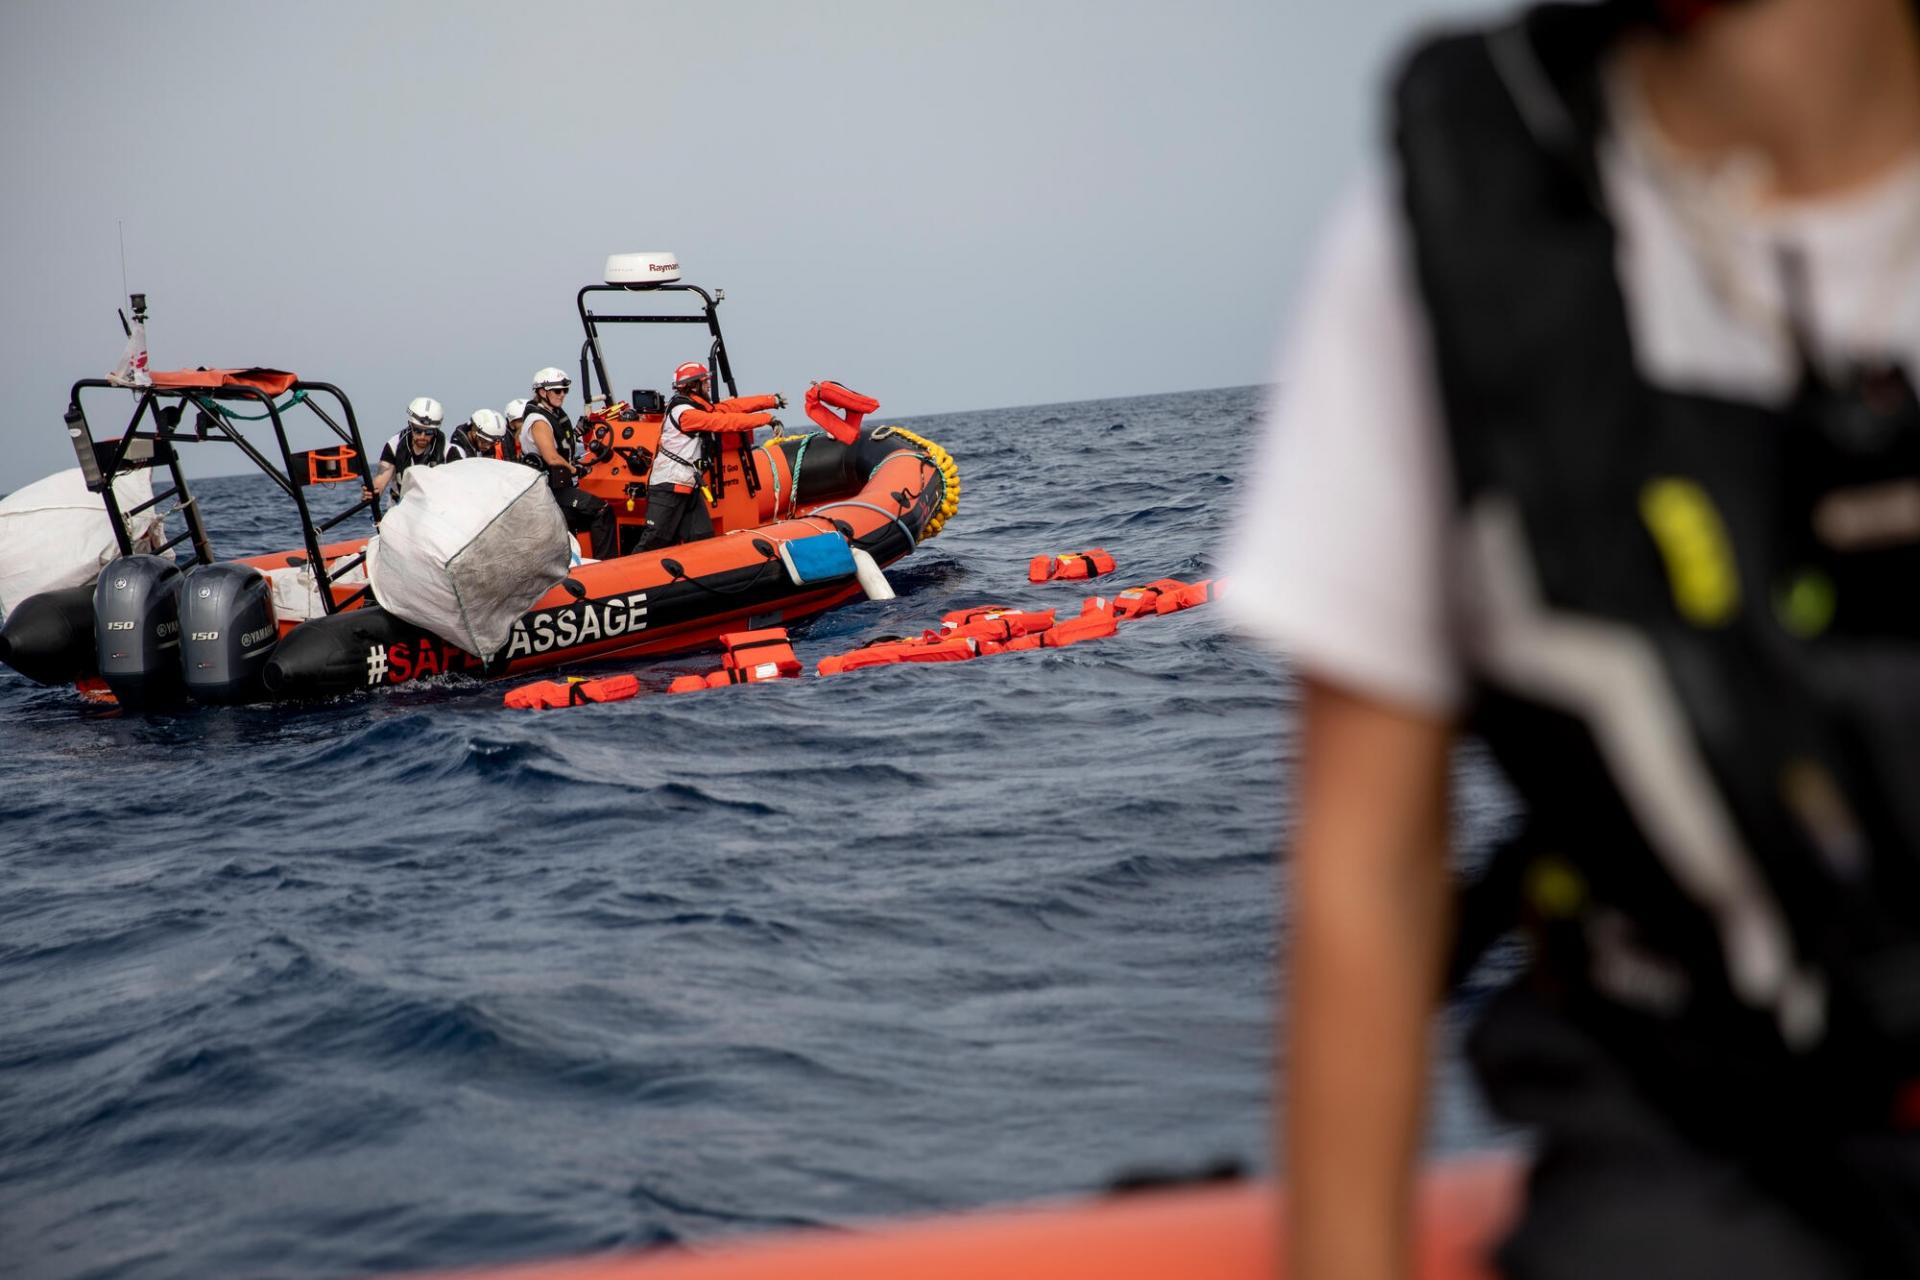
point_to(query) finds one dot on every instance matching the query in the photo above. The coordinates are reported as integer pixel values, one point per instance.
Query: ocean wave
(409, 981)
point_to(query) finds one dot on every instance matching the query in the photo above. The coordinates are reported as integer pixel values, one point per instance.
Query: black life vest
(401, 447)
(566, 438)
(1712, 717)
(472, 444)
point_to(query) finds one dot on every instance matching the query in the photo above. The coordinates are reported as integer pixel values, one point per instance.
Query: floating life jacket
(1095, 625)
(1072, 567)
(1193, 593)
(1707, 702)
(1163, 596)
(1145, 602)
(996, 622)
(749, 658)
(845, 429)
(885, 653)
(547, 695)
(752, 656)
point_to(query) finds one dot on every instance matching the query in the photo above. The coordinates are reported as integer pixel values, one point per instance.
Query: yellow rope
(949, 477)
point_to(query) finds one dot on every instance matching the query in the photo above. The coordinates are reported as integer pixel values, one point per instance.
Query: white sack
(296, 594)
(54, 533)
(474, 545)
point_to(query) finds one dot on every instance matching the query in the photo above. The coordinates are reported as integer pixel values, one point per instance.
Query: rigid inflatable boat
(802, 522)
(1231, 1231)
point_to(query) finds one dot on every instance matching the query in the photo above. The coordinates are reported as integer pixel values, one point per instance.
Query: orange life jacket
(845, 429)
(1190, 595)
(753, 656)
(749, 658)
(996, 622)
(885, 653)
(1096, 604)
(547, 695)
(1094, 625)
(1145, 602)
(1065, 568)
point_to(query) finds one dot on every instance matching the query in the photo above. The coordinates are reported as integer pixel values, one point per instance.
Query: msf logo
(376, 663)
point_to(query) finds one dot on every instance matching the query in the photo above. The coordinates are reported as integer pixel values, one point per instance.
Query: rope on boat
(949, 477)
(773, 469)
(219, 411)
(942, 462)
(868, 506)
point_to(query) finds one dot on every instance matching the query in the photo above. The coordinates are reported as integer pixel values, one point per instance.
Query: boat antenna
(121, 224)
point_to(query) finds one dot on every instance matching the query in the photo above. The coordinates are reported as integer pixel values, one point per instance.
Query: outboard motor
(227, 632)
(136, 629)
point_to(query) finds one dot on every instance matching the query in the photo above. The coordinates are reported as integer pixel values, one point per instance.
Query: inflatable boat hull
(879, 494)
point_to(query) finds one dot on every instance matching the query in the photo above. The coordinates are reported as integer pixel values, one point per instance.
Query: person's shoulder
(1463, 79)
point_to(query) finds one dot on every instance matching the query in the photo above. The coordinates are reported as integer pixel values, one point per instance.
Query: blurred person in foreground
(1597, 437)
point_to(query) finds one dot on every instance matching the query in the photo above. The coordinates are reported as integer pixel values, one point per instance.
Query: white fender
(872, 579)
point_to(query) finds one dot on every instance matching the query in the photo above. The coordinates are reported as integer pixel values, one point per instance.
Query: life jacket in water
(753, 656)
(995, 622)
(1709, 702)
(885, 653)
(1093, 624)
(547, 695)
(1072, 567)
(749, 658)
(1144, 602)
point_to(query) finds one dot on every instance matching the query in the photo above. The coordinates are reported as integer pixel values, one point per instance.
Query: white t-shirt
(1342, 550)
(528, 448)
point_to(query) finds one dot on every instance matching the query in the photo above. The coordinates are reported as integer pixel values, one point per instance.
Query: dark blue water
(411, 980)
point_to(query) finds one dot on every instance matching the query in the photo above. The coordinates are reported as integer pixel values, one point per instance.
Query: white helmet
(489, 423)
(551, 379)
(425, 413)
(516, 410)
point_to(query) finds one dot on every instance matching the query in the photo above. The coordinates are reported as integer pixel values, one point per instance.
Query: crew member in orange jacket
(676, 510)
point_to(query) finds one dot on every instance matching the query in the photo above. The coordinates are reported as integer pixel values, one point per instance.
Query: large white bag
(54, 533)
(476, 542)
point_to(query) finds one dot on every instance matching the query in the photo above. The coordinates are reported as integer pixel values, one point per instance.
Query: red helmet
(690, 372)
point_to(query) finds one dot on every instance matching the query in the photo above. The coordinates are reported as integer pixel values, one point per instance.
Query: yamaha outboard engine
(136, 629)
(227, 632)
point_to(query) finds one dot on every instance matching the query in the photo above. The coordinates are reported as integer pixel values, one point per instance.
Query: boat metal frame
(593, 360)
(152, 438)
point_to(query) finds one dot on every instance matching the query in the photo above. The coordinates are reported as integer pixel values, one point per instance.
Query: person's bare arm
(382, 477)
(549, 450)
(1371, 903)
